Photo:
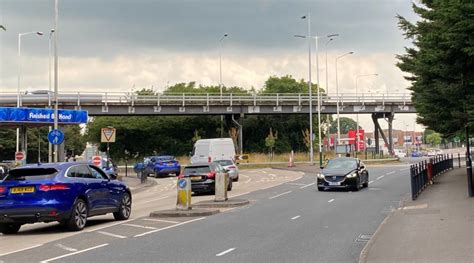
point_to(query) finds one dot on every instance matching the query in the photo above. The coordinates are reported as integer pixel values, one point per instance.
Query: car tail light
(53, 187)
(209, 159)
(211, 175)
(3, 189)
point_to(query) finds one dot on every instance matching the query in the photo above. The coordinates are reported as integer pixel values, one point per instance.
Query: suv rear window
(31, 174)
(197, 170)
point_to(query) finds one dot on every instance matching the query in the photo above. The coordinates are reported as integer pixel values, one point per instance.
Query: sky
(120, 45)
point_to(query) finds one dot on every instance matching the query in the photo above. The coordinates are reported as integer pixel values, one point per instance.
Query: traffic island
(229, 203)
(192, 212)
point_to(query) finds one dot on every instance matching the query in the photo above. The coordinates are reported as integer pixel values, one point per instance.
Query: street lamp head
(301, 36)
(52, 30)
(303, 17)
(332, 35)
(352, 52)
(39, 33)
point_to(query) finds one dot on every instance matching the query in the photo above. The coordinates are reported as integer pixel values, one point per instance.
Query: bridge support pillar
(390, 133)
(378, 129)
(376, 135)
(241, 135)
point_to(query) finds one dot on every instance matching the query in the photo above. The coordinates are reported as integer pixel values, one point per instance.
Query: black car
(203, 176)
(345, 173)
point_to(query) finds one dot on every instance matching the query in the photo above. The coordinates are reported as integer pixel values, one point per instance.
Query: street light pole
(56, 11)
(337, 102)
(50, 146)
(357, 115)
(18, 104)
(331, 38)
(316, 39)
(311, 150)
(220, 79)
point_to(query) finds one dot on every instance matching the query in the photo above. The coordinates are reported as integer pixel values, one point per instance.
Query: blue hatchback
(159, 165)
(65, 192)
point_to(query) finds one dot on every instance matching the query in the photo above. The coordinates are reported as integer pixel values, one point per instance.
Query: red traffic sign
(19, 156)
(96, 160)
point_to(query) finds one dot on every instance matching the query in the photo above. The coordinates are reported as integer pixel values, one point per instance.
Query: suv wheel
(8, 229)
(125, 208)
(78, 218)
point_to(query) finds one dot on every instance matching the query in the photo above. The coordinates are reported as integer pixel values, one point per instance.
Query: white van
(209, 150)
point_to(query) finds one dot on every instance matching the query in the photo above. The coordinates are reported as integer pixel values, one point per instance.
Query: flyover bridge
(379, 105)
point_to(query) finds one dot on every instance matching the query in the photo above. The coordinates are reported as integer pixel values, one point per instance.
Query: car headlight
(321, 176)
(352, 175)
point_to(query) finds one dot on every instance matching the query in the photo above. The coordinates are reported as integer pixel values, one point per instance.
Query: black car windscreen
(31, 174)
(197, 170)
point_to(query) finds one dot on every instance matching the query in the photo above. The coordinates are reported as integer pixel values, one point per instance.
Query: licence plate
(334, 183)
(22, 190)
(170, 164)
(195, 178)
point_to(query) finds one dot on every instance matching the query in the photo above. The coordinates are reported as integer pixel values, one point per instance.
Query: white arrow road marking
(296, 217)
(19, 250)
(110, 234)
(225, 252)
(70, 249)
(74, 253)
(330, 201)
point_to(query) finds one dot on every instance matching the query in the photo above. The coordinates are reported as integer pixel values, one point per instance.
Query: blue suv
(65, 192)
(158, 166)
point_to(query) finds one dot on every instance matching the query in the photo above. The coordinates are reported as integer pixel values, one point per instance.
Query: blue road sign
(56, 137)
(182, 183)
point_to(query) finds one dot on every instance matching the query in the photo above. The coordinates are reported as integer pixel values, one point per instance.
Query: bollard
(183, 201)
(143, 176)
(220, 187)
(459, 160)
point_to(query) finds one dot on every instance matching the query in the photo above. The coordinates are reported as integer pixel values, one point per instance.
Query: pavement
(437, 227)
(135, 183)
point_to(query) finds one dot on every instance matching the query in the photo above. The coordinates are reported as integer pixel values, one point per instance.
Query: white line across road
(110, 234)
(168, 227)
(74, 253)
(299, 184)
(308, 185)
(392, 172)
(280, 195)
(295, 217)
(19, 250)
(153, 200)
(160, 220)
(70, 249)
(332, 200)
(225, 252)
(140, 226)
(371, 182)
(380, 177)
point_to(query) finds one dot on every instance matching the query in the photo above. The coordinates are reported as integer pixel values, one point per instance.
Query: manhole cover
(363, 238)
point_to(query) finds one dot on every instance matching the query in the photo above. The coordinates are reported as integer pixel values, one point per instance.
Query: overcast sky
(112, 45)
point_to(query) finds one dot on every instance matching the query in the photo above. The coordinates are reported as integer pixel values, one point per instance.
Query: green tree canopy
(346, 124)
(440, 65)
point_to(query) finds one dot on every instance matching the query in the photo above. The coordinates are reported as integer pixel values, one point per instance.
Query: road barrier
(423, 173)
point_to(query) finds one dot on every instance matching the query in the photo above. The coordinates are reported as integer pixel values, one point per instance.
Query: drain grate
(363, 238)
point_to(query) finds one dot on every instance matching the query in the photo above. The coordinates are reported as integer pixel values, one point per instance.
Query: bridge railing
(130, 99)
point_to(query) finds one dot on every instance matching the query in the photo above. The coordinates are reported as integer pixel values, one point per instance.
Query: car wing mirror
(362, 167)
(321, 167)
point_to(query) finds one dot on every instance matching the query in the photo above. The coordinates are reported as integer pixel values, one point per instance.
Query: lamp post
(357, 115)
(56, 11)
(331, 38)
(220, 79)
(20, 35)
(50, 146)
(337, 95)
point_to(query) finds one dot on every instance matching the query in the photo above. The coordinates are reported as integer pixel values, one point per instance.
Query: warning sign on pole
(107, 135)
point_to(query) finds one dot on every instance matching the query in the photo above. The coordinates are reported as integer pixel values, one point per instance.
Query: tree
(433, 139)
(440, 65)
(270, 141)
(346, 124)
(196, 136)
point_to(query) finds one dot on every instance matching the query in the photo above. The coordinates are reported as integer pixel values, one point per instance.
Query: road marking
(20, 250)
(70, 249)
(330, 201)
(280, 195)
(392, 172)
(380, 177)
(244, 193)
(140, 226)
(225, 252)
(160, 220)
(110, 234)
(250, 179)
(74, 253)
(295, 184)
(308, 185)
(296, 217)
(153, 200)
(371, 182)
(168, 227)
(107, 226)
(272, 175)
(265, 172)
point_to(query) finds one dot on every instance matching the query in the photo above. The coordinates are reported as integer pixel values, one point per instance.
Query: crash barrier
(423, 173)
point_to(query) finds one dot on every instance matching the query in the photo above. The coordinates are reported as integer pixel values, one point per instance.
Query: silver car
(232, 167)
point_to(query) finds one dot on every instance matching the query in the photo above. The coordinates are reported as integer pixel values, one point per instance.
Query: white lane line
(250, 179)
(280, 195)
(330, 201)
(244, 193)
(20, 250)
(70, 249)
(380, 177)
(140, 226)
(295, 184)
(295, 217)
(371, 182)
(107, 226)
(265, 172)
(168, 227)
(160, 220)
(110, 234)
(308, 185)
(74, 253)
(392, 172)
(225, 252)
(153, 200)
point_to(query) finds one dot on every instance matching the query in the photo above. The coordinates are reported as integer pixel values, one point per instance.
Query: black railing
(423, 173)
